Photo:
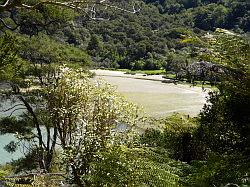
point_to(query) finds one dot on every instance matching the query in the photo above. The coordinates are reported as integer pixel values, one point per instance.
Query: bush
(219, 170)
(176, 137)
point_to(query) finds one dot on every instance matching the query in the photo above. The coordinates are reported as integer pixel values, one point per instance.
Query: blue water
(4, 155)
(7, 138)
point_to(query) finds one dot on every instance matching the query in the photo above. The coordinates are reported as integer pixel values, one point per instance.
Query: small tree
(28, 70)
(89, 117)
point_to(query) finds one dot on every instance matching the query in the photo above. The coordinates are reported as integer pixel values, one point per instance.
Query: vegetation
(78, 131)
(146, 72)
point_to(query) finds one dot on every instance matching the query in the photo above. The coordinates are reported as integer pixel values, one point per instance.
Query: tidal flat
(158, 99)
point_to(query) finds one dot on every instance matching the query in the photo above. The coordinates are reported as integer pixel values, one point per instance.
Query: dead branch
(87, 7)
(76, 5)
(35, 174)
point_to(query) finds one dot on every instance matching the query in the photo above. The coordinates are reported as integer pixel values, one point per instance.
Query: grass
(169, 76)
(146, 72)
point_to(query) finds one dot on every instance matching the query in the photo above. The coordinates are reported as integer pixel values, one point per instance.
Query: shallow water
(7, 138)
(4, 155)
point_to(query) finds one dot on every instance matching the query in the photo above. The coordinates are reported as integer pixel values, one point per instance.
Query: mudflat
(157, 98)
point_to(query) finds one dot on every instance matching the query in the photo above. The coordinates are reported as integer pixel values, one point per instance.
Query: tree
(225, 122)
(42, 56)
(28, 72)
(87, 7)
(211, 17)
(232, 52)
(94, 45)
(97, 131)
(89, 117)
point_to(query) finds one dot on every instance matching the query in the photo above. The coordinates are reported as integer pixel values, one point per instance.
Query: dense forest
(78, 131)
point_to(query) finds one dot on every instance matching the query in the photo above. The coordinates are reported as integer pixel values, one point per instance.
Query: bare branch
(36, 174)
(124, 10)
(9, 5)
(77, 5)
(83, 5)
(5, 4)
(88, 7)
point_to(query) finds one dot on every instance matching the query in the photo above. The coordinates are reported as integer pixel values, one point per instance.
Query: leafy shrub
(219, 170)
(123, 166)
(176, 137)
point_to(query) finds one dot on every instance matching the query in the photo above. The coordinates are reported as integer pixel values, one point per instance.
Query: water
(7, 138)
(4, 155)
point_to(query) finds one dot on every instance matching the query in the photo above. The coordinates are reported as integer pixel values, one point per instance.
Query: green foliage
(41, 57)
(47, 18)
(211, 17)
(147, 72)
(95, 126)
(122, 166)
(8, 53)
(224, 121)
(5, 171)
(11, 66)
(229, 109)
(14, 125)
(219, 170)
(44, 50)
(27, 163)
(89, 117)
(124, 40)
(176, 137)
(209, 14)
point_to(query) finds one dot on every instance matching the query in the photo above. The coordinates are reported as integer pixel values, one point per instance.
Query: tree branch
(11, 108)
(16, 110)
(8, 5)
(7, 26)
(77, 5)
(86, 6)
(35, 120)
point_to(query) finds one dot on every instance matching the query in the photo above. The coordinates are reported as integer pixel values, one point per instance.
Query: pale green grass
(147, 72)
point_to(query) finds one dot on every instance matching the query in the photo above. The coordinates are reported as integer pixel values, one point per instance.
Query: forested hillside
(151, 37)
(145, 40)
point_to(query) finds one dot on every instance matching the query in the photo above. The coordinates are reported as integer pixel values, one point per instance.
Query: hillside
(152, 37)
